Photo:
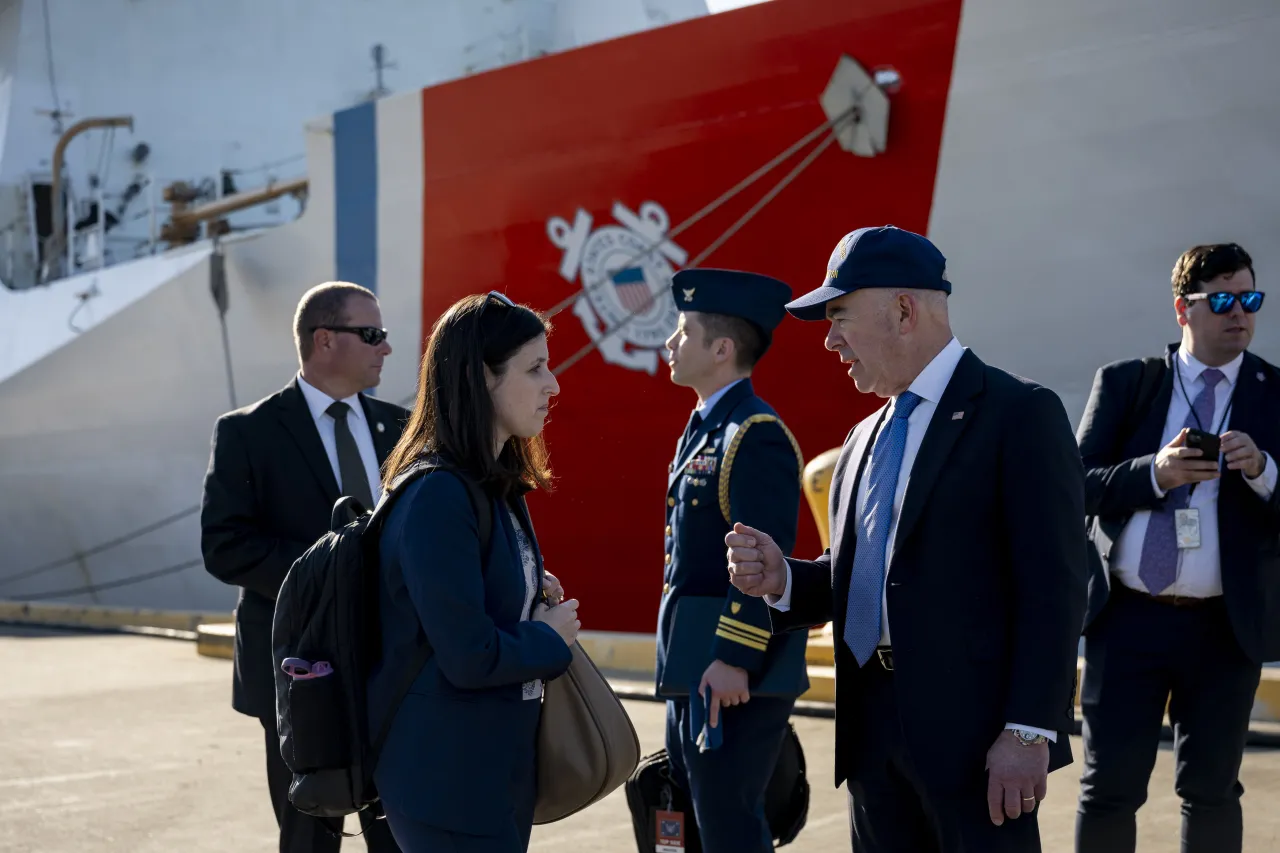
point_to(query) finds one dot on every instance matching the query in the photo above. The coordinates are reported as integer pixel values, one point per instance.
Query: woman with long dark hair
(457, 771)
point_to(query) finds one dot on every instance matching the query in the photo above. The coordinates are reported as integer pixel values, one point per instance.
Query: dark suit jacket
(268, 495)
(1118, 484)
(460, 753)
(986, 590)
(762, 490)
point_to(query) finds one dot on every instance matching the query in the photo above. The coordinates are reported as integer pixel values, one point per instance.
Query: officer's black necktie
(695, 421)
(355, 481)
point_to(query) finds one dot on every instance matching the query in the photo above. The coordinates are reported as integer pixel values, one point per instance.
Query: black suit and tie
(1186, 626)
(273, 478)
(983, 592)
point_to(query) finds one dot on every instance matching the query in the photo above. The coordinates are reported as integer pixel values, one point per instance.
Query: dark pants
(727, 784)
(1140, 654)
(418, 837)
(302, 833)
(891, 810)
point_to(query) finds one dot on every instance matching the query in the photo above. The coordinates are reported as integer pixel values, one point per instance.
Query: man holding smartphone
(1184, 601)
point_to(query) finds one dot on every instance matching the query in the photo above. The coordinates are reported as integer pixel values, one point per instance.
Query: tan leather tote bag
(587, 745)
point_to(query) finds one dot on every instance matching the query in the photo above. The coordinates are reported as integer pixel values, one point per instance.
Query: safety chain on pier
(89, 589)
(98, 549)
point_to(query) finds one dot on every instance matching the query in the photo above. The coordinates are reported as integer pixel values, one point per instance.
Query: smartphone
(1207, 442)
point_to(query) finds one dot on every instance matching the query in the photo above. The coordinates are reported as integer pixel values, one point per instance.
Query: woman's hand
(563, 618)
(552, 588)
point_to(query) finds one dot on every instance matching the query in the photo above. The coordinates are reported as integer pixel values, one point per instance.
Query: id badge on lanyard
(669, 832)
(1186, 522)
(1186, 526)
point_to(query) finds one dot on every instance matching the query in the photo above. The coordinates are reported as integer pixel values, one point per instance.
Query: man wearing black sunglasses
(1185, 593)
(277, 467)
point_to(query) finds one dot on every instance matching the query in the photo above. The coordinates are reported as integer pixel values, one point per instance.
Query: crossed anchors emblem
(625, 268)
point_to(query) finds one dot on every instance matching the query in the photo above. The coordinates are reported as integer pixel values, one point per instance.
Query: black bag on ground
(651, 789)
(327, 612)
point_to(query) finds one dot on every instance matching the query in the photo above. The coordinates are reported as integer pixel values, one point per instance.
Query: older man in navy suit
(957, 572)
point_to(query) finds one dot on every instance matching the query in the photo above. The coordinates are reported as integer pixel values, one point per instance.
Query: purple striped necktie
(1158, 567)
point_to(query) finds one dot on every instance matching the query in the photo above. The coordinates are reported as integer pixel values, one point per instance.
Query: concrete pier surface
(128, 743)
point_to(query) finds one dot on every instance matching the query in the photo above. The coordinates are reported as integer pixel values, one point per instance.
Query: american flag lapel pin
(955, 416)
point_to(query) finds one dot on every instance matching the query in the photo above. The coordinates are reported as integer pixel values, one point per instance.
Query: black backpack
(651, 789)
(327, 611)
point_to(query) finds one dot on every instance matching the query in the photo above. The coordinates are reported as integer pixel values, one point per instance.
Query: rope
(98, 549)
(48, 60)
(129, 581)
(705, 253)
(268, 166)
(104, 161)
(719, 201)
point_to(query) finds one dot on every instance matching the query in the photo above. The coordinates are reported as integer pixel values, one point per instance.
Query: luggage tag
(1186, 524)
(670, 832)
(700, 729)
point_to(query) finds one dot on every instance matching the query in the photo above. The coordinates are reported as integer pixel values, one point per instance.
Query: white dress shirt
(929, 387)
(319, 402)
(1199, 569)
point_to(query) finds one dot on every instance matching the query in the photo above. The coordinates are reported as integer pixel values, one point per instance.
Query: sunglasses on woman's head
(501, 297)
(371, 335)
(1222, 301)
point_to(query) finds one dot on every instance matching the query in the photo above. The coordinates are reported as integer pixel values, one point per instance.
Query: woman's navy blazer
(460, 753)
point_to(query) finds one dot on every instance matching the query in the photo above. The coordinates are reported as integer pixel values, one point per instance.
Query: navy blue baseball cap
(749, 295)
(883, 256)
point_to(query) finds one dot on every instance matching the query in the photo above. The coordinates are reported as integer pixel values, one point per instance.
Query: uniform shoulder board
(726, 466)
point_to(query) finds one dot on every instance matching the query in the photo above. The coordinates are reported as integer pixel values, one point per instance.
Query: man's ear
(724, 349)
(907, 309)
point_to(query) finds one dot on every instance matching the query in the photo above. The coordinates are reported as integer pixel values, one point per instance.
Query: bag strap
(484, 517)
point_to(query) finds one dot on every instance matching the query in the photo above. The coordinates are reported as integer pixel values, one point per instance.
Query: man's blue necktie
(866, 582)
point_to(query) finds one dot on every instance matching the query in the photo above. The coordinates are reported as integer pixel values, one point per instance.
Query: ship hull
(1061, 157)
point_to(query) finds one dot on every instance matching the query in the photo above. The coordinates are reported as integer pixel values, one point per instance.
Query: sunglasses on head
(493, 294)
(371, 335)
(1222, 301)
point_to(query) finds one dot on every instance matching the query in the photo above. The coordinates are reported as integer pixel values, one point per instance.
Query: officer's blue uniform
(740, 464)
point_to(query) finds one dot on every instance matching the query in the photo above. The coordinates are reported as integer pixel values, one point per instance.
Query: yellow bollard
(817, 482)
(817, 486)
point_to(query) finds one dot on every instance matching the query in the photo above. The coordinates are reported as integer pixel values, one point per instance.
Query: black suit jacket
(1118, 446)
(986, 590)
(268, 495)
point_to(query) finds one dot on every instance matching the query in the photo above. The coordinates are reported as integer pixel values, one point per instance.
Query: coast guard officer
(735, 462)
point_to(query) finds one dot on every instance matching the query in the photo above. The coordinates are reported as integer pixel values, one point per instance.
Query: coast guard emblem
(626, 270)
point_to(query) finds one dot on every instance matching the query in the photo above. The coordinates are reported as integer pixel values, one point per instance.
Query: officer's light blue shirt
(710, 403)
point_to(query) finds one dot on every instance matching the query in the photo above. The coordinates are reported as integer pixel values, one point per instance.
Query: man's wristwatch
(1026, 738)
